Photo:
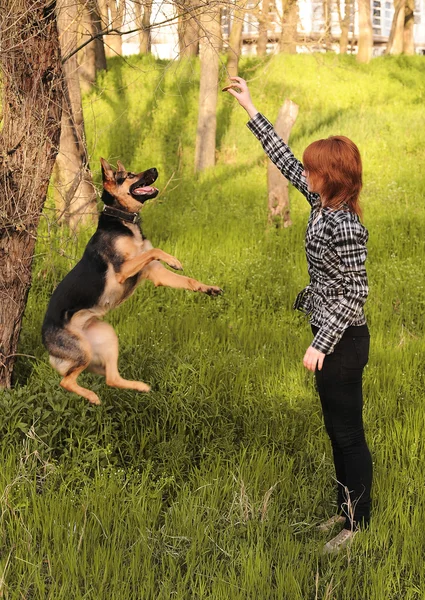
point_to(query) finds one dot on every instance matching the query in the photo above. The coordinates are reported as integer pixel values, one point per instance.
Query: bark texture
(32, 80)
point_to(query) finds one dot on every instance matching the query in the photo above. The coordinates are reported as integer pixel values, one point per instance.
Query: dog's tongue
(140, 191)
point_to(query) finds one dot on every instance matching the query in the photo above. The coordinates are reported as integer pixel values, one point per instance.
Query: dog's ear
(120, 167)
(107, 171)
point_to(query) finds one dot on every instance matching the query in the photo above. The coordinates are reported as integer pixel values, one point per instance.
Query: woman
(331, 180)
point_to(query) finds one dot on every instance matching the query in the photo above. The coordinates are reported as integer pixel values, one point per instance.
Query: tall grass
(210, 486)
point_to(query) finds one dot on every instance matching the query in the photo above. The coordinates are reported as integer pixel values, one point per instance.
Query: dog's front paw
(175, 264)
(213, 290)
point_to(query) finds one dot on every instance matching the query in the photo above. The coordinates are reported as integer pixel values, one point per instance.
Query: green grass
(210, 486)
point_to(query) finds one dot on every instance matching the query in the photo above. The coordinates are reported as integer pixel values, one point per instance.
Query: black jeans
(339, 384)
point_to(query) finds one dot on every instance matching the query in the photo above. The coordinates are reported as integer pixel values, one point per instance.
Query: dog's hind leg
(70, 383)
(70, 356)
(104, 345)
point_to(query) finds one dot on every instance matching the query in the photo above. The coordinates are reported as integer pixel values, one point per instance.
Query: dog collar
(121, 214)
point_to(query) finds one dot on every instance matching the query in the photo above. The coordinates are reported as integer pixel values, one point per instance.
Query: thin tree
(143, 12)
(327, 15)
(208, 89)
(345, 22)
(235, 39)
(289, 27)
(90, 50)
(188, 27)
(112, 13)
(409, 21)
(32, 83)
(263, 28)
(365, 37)
(396, 37)
(75, 197)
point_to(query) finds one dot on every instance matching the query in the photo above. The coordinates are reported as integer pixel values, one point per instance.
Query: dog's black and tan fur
(115, 260)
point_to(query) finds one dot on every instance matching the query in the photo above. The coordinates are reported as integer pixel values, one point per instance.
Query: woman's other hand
(313, 358)
(239, 89)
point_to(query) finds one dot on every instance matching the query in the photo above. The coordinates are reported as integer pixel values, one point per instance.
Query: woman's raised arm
(273, 145)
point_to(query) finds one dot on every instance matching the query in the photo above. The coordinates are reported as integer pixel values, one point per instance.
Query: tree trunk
(395, 40)
(235, 42)
(263, 26)
(32, 99)
(87, 56)
(188, 29)
(409, 21)
(143, 21)
(112, 14)
(91, 58)
(279, 213)
(75, 196)
(207, 120)
(344, 23)
(365, 39)
(343, 40)
(327, 12)
(288, 36)
(220, 32)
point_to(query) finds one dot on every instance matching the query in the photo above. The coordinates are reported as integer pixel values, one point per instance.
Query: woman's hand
(239, 89)
(313, 358)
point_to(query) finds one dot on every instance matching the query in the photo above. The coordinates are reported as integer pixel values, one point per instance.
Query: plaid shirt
(335, 245)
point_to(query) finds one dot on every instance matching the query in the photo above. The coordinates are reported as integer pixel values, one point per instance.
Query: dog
(116, 259)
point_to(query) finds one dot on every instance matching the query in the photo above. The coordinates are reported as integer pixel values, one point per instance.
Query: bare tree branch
(194, 11)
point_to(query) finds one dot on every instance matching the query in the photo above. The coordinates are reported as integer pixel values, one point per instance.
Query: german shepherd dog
(117, 258)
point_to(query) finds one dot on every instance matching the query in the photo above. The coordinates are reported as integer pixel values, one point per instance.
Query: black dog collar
(110, 211)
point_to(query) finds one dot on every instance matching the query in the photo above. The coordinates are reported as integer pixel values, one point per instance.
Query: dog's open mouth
(142, 190)
(143, 193)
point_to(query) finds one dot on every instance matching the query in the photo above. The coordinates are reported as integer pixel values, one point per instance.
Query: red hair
(337, 165)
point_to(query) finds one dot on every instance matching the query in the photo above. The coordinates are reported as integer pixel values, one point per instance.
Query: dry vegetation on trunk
(32, 99)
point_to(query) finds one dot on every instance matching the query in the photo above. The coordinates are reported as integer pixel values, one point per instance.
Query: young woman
(335, 242)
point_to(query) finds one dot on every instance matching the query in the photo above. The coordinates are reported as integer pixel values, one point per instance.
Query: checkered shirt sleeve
(335, 247)
(349, 241)
(280, 154)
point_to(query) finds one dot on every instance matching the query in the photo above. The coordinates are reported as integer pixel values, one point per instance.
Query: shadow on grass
(123, 140)
(305, 129)
(176, 99)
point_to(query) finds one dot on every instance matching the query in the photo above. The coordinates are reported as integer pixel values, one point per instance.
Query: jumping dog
(116, 259)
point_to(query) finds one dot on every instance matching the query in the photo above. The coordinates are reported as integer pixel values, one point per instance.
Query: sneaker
(330, 523)
(339, 542)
